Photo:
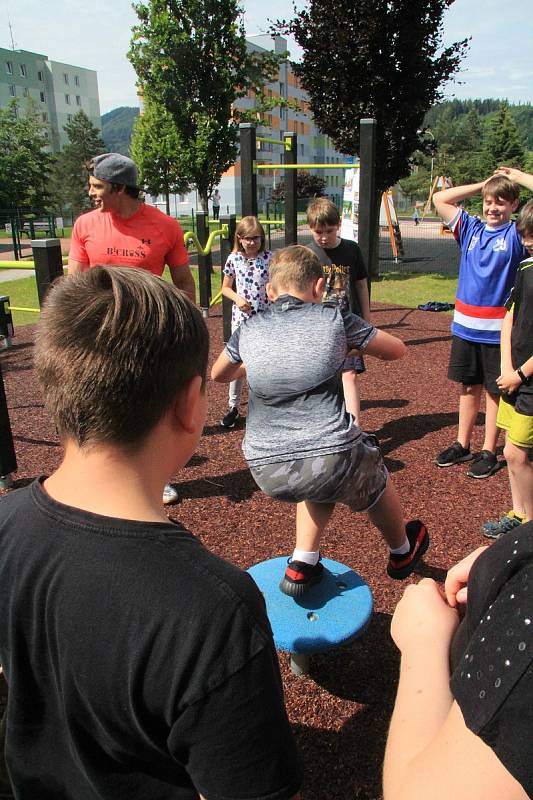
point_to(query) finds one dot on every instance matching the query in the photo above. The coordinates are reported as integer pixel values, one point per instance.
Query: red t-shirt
(149, 240)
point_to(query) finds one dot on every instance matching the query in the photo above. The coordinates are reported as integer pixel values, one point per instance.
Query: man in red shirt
(124, 231)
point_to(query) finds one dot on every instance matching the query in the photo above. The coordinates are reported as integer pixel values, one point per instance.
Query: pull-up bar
(307, 166)
(286, 141)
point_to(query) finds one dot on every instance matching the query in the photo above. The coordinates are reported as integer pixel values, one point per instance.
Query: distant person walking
(215, 199)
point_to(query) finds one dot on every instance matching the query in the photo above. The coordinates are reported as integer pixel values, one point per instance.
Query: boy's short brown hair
(114, 347)
(322, 211)
(501, 186)
(294, 267)
(524, 223)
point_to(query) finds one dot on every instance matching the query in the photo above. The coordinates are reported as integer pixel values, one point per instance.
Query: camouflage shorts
(356, 477)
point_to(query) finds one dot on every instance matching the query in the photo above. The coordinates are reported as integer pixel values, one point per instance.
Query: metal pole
(291, 177)
(48, 264)
(6, 323)
(248, 172)
(226, 246)
(205, 263)
(8, 459)
(367, 197)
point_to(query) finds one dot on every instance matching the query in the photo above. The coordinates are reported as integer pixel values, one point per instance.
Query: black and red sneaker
(399, 567)
(299, 577)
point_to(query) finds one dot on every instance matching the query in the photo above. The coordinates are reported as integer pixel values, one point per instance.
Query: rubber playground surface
(341, 710)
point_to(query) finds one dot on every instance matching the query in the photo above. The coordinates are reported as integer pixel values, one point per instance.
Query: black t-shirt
(492, 653)
(521, 301)
(139, 664)
(342, 269)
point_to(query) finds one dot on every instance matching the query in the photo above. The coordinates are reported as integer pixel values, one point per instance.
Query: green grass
(23, 293)
(404, 289)
(409, 289)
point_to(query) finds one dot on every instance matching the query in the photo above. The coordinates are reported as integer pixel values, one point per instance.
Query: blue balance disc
(330, 613)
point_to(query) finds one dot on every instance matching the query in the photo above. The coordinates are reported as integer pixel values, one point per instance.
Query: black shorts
(474, 364)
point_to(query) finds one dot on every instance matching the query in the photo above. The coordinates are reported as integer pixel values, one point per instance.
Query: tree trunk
(167, 201)
(204, 200)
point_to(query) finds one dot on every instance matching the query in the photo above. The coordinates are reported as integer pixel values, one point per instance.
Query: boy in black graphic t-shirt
(133, 656)
(346, 283)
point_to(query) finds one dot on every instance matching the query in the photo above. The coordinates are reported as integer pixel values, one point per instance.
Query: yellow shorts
(519, 427)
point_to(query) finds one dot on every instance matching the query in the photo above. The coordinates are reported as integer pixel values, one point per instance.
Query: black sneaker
(455, 454)
(484, 465)
(299, 577)
(400, 566)
(231, 418)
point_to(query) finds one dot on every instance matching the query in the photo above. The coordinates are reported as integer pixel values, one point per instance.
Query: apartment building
(58, 90)
(313, 146)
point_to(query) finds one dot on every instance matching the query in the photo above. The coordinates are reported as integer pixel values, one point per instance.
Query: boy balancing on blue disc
(301, 444)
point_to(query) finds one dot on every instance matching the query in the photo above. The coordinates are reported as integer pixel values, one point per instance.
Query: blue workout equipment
(331, 613)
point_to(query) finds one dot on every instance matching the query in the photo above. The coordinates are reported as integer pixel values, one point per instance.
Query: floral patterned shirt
(251, 277)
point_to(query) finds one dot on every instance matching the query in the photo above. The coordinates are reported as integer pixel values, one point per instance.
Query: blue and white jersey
(489, 260)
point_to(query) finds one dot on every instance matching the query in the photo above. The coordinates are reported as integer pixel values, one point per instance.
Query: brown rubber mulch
(340, 712)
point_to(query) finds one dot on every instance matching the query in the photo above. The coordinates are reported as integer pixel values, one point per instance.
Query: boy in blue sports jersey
(490, 254)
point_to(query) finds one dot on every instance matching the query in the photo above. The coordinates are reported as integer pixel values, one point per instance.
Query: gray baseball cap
(115, 168)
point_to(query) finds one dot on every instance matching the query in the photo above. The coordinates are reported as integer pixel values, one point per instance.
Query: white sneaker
(170, 495)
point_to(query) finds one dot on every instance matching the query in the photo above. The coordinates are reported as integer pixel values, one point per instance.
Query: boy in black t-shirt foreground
(133, 655)
(345, 283)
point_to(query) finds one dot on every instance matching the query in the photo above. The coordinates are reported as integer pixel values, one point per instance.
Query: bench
(331, 613)
(31, 229)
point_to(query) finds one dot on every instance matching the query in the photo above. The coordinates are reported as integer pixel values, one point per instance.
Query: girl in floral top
(245, 280)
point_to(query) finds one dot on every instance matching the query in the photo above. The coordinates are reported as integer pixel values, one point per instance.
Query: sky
(96, 35)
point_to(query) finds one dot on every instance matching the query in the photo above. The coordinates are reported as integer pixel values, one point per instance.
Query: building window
(65, 78)
(44, 116)
(9, 67)
(23, 71)
(40, 75)
(282, 89)
(12, 91)
(69, 117)
(76, 80)
(26, 92)
(78, 100)
(42, 98)
(67, 99)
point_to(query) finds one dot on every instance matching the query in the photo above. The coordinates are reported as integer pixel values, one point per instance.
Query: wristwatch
(525, 380)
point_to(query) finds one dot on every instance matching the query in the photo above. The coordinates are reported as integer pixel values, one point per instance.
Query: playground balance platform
(331, 613)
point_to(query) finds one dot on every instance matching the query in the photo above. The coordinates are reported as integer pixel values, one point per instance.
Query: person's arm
(517, 176)
(430, 751)
(182, 279)
(224, 370)
(75, 266)
(228, 291)
(385, 346)
(446, 201)
(361, 287)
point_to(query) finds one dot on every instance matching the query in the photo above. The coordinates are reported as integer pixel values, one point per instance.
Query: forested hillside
(469, 140)
(116, 129)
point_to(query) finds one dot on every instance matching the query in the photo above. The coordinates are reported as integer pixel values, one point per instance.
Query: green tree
(25, 163)
(503, 143)
(191, 58)
(156, 148)
(380, 59)
(70, 173)
(373, 58)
